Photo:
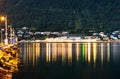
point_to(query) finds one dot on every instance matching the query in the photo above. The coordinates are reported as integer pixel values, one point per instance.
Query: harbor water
(69, 61)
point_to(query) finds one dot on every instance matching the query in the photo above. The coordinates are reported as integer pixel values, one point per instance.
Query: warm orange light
(2, 18)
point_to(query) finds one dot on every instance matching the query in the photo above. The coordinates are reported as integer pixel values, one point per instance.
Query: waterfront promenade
(67, 41)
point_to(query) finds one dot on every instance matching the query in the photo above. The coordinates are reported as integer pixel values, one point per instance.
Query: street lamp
(4, 18)
(2, 36)
(11, 34)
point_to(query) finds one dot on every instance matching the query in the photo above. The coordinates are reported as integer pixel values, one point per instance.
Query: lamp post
(6, 39)
(11, 34)
(4, 18)
(2, 36)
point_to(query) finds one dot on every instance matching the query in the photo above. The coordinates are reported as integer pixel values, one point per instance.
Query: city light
(4, 18)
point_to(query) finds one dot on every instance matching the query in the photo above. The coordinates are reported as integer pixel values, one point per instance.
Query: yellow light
(94, 53)
(63, 53)
(69, 53)
(2, 18)
(77, 51)
(54, 52)
(89, 52)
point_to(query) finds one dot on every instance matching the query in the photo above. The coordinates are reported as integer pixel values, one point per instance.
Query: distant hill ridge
(75, 16)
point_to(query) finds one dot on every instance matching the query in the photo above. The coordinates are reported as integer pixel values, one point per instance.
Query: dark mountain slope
(59, 15)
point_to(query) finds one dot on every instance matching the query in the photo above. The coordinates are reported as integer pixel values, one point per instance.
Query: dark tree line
(74, 16)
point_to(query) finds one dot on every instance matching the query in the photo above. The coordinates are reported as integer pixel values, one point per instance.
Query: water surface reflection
(70, 60)
(69, 52)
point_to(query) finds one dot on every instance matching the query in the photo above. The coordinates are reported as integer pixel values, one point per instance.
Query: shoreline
(71, 41)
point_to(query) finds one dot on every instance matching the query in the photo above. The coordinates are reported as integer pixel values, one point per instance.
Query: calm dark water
(69, 61)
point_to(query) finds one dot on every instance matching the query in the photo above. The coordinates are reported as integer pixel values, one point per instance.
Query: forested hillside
(75, 16)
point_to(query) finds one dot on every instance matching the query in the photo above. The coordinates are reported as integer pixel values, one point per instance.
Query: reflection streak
(63, 52)
(108, 52)
(48, 52)
(83, 51)
(89, 51)
(86, 52)
(101, 53)
(69, 53)
(31, 53)
(54, 52)
(77, 51)
(94, 51)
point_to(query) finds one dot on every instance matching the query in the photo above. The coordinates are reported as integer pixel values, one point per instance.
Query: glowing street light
(4, 18)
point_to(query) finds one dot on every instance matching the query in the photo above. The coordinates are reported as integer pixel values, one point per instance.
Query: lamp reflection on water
(31, 54)
(69, 53)
(60, 50)
(86, 52)
(115, 49)
(54, 52)
(94, 53)
(101, 53)
(89, 52)
(63, 53)
(108, 52)
(83, 51)
(48, 53)
(77, 51)
(37, 50)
